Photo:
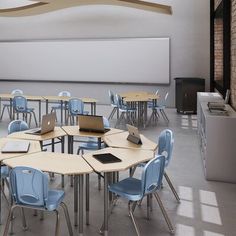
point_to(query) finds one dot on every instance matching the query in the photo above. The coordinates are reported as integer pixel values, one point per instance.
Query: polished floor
(206, 209)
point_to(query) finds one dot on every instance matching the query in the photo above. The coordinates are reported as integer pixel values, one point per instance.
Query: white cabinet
(217, 136)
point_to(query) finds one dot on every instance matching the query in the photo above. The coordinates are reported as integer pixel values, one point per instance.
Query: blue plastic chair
(135, 189)
(92, 143)
(20, 106)
(165, 147)
(16, 126)
(75, 108)
(58, 105)
(8, 105)
(159, 107)
(113, 103)
(126, 113)
(29, 189)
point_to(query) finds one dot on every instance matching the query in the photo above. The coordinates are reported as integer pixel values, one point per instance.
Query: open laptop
(48, 124)
(90, 123)
(134, 135)
(16, 147)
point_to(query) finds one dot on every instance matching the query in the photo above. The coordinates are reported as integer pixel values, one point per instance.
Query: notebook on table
(48, 125)
(91, 123)
(106, 158)
(16, 147)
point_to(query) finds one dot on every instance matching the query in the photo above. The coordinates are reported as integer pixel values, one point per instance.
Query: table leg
(87, 199)
(46, 106)
(61, 112)
(63, 151)
(53, 145)
(0, 194)
(63, 144)
(99, 177)
(39, 112)
(106, 203)
(76, 200)
(81, 186)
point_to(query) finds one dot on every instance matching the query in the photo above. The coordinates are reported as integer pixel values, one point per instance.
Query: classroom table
(73, 131)
(140, 101)
(119, 140)
(64, 100)
(34, 147)
(60, 163)
(57, 133)
(129, 157)
(33, 98)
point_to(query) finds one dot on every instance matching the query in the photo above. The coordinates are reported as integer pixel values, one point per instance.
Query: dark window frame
(223, 10)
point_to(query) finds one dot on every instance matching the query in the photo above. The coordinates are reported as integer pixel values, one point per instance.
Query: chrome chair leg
(172, 187)
(68, 222)
(164, 213)
(41, 215)
(132, 217)
(23, 219)
(9, 217)
(57, 223)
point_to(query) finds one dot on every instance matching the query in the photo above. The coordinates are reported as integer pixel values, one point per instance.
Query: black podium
(186, 94)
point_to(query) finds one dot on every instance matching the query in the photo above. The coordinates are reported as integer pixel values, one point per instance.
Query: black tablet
(106, 158)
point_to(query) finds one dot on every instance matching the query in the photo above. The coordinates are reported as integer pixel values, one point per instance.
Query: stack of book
(217, 108)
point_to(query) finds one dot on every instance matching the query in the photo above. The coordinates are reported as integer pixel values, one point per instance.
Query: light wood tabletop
(74, 131)
(119, 140)
(57, 132)
(129, 158)
(60, 163)
(34, 147)
(132, 93)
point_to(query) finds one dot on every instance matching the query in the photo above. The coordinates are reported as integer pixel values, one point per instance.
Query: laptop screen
(91, 123)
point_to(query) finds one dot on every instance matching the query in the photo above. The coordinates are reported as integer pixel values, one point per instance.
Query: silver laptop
(48, 125)
(89, 123)
(134, 135)
(16, 147)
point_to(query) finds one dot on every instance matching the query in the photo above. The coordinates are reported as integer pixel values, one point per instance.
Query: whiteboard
(124, 60)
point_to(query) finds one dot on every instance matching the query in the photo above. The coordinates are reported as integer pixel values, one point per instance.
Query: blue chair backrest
(16, 126)
(29, 186)
(19, 103)
(64, 94)
(165, 144)
(112, 97)
(119, 101)
(17, 92)
(106, 122)
(76, 106)
(152, 174)
(162, 102)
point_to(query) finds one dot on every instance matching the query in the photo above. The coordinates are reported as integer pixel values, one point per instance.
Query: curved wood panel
(45, 6)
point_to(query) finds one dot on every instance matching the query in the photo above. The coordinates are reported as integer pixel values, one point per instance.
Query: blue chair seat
(90, 146)
(55, 197)
(130, 188)
(4, 172)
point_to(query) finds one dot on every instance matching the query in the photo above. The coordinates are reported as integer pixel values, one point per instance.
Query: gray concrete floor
(206, 209)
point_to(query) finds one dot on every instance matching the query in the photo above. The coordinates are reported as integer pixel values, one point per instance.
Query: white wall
(188, 29)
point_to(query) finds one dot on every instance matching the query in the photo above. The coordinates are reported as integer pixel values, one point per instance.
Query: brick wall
(218, 37)
(233, 53)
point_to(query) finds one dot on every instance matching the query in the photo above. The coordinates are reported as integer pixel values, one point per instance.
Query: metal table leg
(106, 203)
(81, 186)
